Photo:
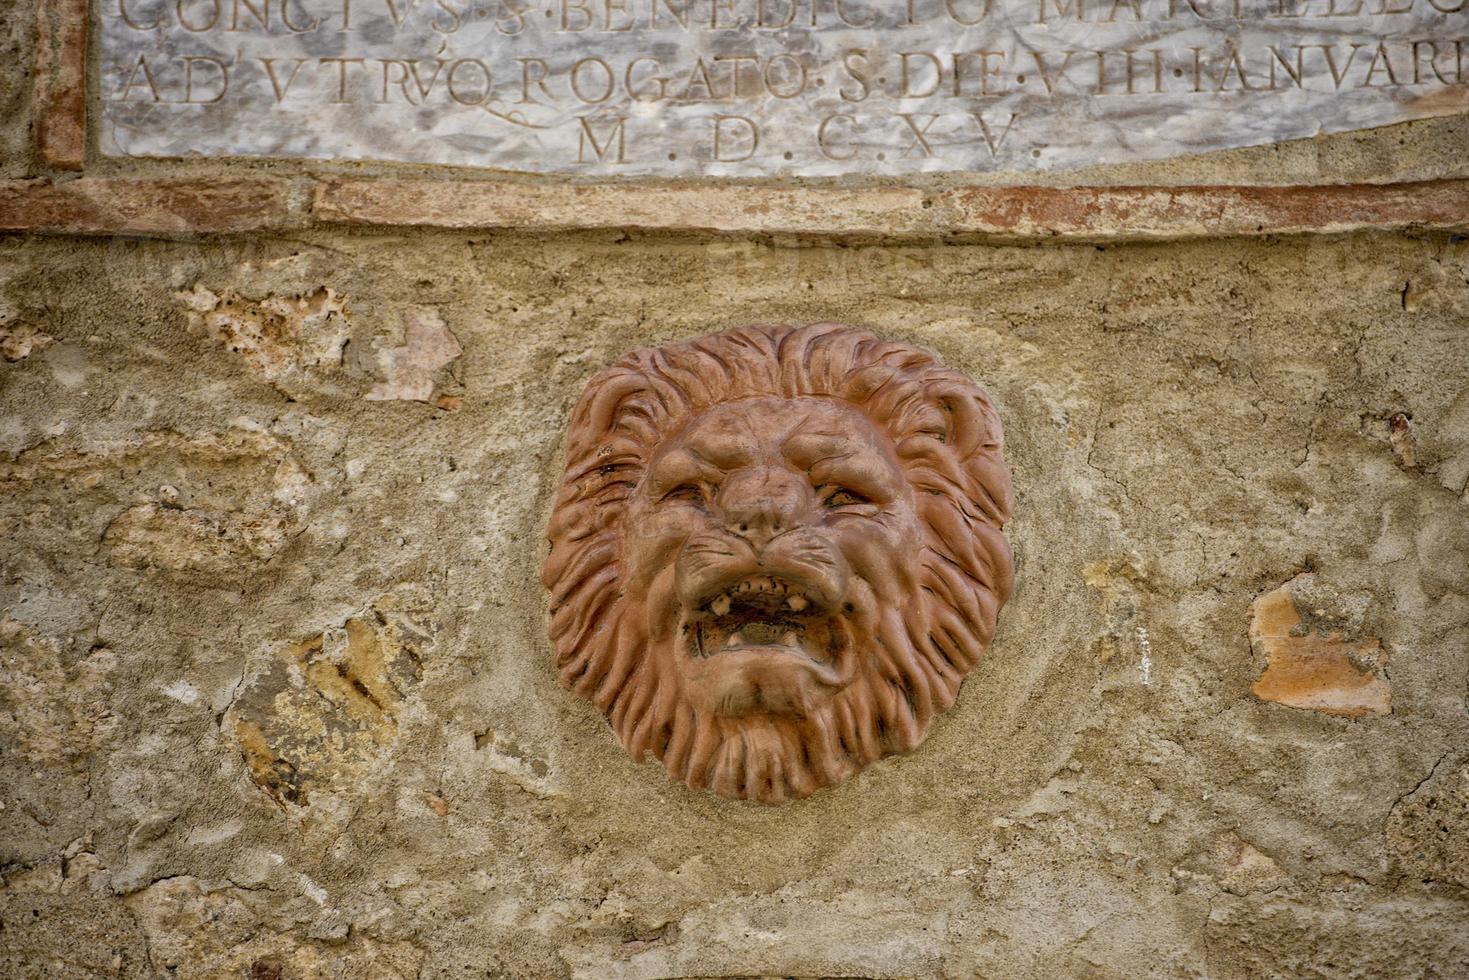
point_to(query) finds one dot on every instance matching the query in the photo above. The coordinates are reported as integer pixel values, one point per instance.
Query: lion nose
(761, 504)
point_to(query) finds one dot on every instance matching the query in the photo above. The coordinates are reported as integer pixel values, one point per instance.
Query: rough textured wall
(276, 698)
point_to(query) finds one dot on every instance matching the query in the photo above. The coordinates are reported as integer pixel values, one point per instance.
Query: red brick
(60, 104)
(91, 206)
(977, 213)
(1131, 213)
(1026, 214)
(874, 212)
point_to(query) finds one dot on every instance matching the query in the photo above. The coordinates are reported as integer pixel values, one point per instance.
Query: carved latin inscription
(756, 87)
(776, 553)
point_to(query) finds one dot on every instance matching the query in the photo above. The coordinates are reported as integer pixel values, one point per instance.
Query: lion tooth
(798, 602)
(790, 640)
(720, 606)
(734, 640)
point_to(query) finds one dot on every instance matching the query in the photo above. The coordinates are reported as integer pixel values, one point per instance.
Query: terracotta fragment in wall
(1315, 668)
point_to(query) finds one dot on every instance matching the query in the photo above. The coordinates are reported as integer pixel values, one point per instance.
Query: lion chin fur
(916, 620)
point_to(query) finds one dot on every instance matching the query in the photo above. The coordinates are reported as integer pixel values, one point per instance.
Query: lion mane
(916, 648)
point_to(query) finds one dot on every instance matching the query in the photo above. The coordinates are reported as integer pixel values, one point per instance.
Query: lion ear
(992, 491)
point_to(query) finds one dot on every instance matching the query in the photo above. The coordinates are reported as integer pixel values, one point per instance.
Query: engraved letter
(795, 82)
(601, 149)
(1293, 72)
(1132, 73)
(987, 71)
(1372, 69)
(1064, 8)
(994, 142)
(790, 14)
(525, 80)
(509, 19)
(142, 63)
(1235, 65)
(1046, 76)
(857, 76)
(281, 91)
(984, 11)
(583, 13)
(609, 81)
(938, 74)
(291, 25)
(1337, 77)
(262, 17)
(699, 75)
(197, 26)
(401, 80)
(735, 60)
(752, 134)
(122, 9)
(821, 136)
(679, 14)
(841, 7)
(455, 22)
(476, 65)
(393, 11)
(616, 6)
(342, 65)
(1432, 62)
(224, 78)
(633, 87)
(424, 90)
(920, 141)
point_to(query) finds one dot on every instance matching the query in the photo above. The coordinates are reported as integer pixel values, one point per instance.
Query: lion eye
(686, 491)
(842, 497)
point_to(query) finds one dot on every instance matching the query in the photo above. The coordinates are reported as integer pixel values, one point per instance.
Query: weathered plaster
(1190, 426)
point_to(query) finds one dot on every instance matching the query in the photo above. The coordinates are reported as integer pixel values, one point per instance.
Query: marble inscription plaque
(747, 88)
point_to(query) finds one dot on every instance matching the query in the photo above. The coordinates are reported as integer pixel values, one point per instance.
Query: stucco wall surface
(276, 698)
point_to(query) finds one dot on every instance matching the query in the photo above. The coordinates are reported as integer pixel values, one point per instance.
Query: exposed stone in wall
(278, 337)
(196, 931)
(17, 342)
(52, 713)
(1244, 869)
(409, 368)
(150, 535)
(213, 501)
(1351, 937)
(1429, 829)
(298, 344)
(1121, 585)
(324, 712)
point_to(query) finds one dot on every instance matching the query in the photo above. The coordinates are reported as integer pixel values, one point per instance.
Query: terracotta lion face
(776, 552)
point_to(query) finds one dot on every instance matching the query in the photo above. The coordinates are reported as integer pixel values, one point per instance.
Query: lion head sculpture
(776, 552)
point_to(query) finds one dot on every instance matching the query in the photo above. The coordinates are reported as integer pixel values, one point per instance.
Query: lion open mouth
(765, 614)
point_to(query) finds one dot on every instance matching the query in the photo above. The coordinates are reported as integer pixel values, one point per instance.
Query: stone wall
(276, 697)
